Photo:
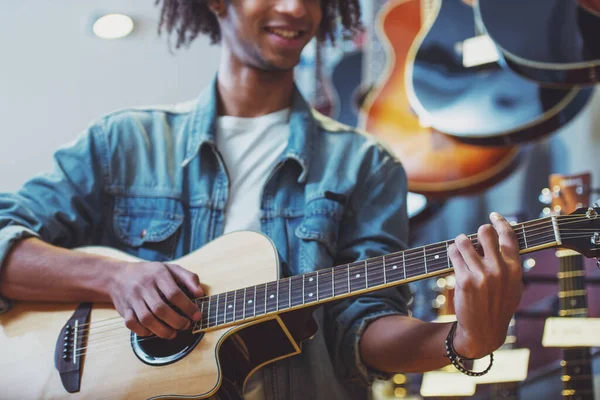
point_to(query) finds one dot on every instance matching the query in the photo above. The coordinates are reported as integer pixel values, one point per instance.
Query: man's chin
(281, 63)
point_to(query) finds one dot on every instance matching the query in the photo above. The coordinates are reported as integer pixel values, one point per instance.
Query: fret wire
(447, 255)
(348, 278)
(225, 309)
(254, 301)
(317, 286)
(524, 236)
(244, 316)
(332, 282)
(234, 305)
(266, 290)
(404, 263)
(303, 289)
(425, 258)
(384, 272)
(217, 311)
(202, 312)
(290, 296)
(277, 299)
(366, 275)
(208, 320)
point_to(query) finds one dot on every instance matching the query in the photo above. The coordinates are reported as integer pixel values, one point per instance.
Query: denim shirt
(335, 196)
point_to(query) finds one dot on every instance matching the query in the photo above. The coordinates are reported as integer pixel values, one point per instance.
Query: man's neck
(244, 91)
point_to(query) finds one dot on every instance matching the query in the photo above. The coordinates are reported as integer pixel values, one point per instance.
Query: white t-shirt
(250, 148)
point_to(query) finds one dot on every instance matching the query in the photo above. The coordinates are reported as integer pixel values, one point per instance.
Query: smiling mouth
(290, 34)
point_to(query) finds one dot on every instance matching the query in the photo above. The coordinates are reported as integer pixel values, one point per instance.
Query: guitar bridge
(68, 352)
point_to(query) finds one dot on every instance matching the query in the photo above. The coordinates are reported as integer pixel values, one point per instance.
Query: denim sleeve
(62, 207)
(378, 225)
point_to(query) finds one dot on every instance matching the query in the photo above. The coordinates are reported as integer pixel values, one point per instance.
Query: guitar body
(435, 164)
(346, 78)
(483, 104)
(111, 370)
(553, 42)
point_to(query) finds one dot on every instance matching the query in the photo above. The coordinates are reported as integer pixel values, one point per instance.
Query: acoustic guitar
(436, 165)
(569, 192)
(456, 85)
(250, 317)
(554, 42)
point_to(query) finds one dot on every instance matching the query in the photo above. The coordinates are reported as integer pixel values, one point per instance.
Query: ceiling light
(113, 26)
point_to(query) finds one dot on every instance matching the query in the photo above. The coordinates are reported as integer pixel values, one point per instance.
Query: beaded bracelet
(456, 358)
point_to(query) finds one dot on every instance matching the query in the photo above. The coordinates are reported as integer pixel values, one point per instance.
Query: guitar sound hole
(156, 351)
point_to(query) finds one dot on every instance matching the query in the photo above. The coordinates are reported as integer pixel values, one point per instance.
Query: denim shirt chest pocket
(319, 231)
(147, 227)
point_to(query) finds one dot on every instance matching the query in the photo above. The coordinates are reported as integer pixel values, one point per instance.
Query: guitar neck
(507, 390)
(324, 285)
(577, 377)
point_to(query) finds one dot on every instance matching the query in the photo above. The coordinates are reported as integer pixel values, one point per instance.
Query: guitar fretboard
(350, 279)
(577, 376)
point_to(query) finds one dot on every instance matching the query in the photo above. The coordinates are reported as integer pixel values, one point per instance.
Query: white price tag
(479, 50)
(571, 332)
(440, 383)
(509, 366)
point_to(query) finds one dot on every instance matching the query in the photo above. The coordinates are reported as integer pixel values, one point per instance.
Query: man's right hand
(140, 292)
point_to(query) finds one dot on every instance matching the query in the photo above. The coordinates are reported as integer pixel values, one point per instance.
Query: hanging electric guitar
(456, 85)
(571, 192)
(250, 318)
(436, 165)
(554, 42)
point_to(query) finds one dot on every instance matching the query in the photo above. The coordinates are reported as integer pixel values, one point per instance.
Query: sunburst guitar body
(435, 164)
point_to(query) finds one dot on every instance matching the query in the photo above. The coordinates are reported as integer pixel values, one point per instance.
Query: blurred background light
(113, 26)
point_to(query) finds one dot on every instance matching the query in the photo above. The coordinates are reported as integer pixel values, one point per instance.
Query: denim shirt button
(143, 233)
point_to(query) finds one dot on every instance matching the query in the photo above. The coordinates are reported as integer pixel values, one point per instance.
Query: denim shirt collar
(303, 126)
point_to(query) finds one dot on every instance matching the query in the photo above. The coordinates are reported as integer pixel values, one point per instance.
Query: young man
(248, 154)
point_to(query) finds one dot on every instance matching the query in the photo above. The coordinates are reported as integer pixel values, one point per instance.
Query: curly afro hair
(188, 18)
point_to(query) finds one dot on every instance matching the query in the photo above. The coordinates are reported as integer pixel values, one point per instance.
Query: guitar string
(224, 316)
(80, 351)
(261, 291)
(324, 294)
(392, 259)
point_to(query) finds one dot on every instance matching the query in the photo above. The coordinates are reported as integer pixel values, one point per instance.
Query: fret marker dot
(395, 267)
(271, 296)
(310, 295)
(577, 370)
(249, 301)
(310, 279)
(437, 256)
(230, 306)
(573, 302)
(358, 275)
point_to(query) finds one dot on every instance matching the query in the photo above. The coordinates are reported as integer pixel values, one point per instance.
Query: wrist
(109, 278)
(468, 346)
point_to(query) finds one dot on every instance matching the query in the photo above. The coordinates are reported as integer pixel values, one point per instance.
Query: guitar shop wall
(56, 75)
(474, 135)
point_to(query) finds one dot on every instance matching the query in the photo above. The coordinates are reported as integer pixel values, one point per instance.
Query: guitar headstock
(579, 230)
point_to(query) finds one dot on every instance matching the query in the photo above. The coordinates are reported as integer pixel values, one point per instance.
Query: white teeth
(285, 33)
